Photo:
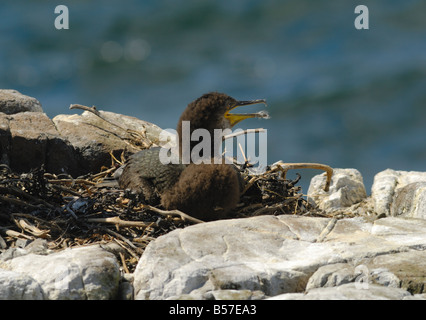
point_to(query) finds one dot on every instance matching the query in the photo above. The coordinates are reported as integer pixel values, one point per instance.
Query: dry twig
(284, 167)
(175, 213)
(117, 221)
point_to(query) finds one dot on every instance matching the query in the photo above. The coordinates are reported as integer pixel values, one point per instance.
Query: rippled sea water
(336, 95)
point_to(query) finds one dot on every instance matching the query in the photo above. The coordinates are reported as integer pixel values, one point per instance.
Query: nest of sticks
(69, 212)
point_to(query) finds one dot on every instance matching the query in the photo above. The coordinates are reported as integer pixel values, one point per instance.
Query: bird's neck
(197, 143)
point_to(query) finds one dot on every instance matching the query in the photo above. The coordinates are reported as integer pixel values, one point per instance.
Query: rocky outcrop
(270, 256)
(12, 101)
(71, 144)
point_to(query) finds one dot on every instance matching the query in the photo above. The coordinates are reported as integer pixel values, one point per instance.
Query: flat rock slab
(81, 273)
(267, 255)
(349, 291)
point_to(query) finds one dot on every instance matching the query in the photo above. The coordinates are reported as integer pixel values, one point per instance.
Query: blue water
(336, 95)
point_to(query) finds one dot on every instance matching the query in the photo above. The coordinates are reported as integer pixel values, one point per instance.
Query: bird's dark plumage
(146, 175)
(204, 191)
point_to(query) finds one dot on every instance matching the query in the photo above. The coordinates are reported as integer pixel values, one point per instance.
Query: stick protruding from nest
(284, 167)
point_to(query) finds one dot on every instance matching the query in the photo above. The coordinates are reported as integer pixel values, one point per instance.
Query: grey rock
(80, 273)
(332, 275)
(12, 253)
(22, 243)
(410, 201)
(385, 189)
(12, 101)
(215, 256)
(17, 286)
(384, 277)
(37, 246)
(348, 291)
(125, 291)
(234, 295)
(416, 297)
(27, 140)
(346, 189)
(93, 139)
(271, 254)
(402, 269)
(3, 244)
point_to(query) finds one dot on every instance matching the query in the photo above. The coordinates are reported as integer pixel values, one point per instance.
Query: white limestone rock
(17, 286)
(346, 189)
(270, 254)
(79, 273)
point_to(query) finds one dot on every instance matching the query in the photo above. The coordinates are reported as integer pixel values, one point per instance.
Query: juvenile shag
(204, 191)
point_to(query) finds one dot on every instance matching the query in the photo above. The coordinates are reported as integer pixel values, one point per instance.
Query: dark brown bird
(204, 191)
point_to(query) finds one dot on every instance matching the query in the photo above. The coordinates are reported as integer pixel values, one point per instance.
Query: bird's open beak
(234, 118)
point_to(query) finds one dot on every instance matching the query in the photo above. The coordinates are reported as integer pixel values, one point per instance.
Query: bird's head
(213, 111)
